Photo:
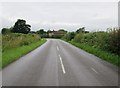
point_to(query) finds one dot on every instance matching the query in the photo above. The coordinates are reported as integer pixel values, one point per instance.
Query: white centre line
(63, 68)
(57, 48)
(94, 70)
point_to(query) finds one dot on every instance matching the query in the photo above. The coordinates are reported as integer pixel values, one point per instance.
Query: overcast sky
(56, 15)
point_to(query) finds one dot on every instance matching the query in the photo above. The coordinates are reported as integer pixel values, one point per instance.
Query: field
(15, 45)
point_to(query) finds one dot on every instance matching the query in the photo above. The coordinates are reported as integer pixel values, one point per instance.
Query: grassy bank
(13, 40)
(15, 45)
(107, 56)
(11, 55)
(103, 44)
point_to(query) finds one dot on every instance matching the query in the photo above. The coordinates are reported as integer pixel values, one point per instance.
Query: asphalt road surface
(58, 63)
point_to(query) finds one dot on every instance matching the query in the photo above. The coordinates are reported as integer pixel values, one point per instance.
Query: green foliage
(105, 45)
(45, 35)
(15, 45)
(8, 56)
(108, 41)
(58, 36)
(80, 30)
(78, 37)
(69, 36)
(21, 27)
(114, 41)
(6, 30)
(62, 30)
(110, 57)
(41, 31)
(14, 40)
(54, 34)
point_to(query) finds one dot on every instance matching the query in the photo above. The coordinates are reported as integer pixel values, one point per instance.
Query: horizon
(93, 16)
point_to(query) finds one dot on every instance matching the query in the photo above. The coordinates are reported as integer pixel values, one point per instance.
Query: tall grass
(14, 40)
(110, 57)
(13, 54)
(17, 45)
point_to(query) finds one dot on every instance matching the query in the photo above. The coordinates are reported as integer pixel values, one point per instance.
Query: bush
(57, 36)
(6, 30)
(16, 39)
(78, 38)
(69, 36)
(108, 41)
(112, 58)
(114, 41)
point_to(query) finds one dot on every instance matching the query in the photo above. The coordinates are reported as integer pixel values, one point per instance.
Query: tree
(41, 31)
(48, 31)
(21, 27)
(62, 30)
(69, 36)
(81, 30)
(6, 30)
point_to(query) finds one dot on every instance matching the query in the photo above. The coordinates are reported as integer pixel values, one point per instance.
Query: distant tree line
(48, 34)
(20, 26)
(70, 35)
(109, 40)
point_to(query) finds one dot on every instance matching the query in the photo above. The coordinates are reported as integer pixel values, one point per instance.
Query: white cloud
(59, 0)
(54, 15)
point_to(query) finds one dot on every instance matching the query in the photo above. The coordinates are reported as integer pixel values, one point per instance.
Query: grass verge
(13, 54)
(112, 58)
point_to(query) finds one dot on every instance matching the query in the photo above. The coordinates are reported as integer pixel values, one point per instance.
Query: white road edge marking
(63, 68)
(57, 48)
(94, 70)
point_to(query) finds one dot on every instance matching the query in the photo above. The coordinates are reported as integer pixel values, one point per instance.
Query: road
(58, 63)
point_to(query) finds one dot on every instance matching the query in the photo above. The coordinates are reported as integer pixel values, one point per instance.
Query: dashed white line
(63, 68)
(94, 70)
(57, 48)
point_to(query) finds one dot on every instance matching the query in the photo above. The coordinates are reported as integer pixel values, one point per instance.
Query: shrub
(16, 39)
(114, 41)
(108, 41)
(69, 36)
(6, 30)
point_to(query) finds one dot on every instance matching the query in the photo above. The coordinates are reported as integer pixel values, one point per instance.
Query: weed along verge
(107, 56)
(19, 45)
(103, 44)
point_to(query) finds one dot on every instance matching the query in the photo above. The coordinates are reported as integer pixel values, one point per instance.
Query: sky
(94, 16)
